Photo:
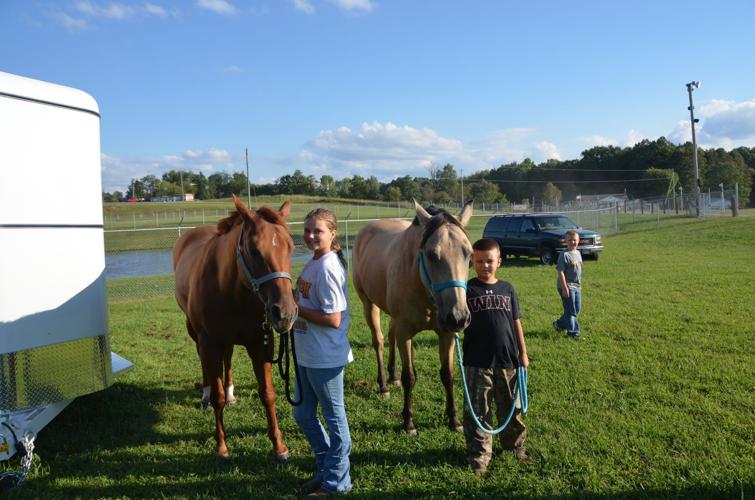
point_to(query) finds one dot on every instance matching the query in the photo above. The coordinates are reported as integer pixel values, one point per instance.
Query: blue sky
(386, 87)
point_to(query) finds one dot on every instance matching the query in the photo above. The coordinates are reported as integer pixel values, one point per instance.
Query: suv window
(514, 225)
(527, 226)
(555, 222)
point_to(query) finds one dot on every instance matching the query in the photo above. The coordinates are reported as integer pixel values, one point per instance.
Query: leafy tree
(551, 194)
(328, 186)
(484, 192)
(393, 193)
(220, 185)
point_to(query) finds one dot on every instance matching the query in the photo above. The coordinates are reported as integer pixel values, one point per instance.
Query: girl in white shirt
(322, 351)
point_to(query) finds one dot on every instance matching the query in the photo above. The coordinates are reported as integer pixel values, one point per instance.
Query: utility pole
(183, 195)
(248, 180)
(690, 87)
(462, 186)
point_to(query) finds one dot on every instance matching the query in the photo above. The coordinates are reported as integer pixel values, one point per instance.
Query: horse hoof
(281, 458)
(231, 401)
(222, 457)
(396, 382)
(411, 432)
(205, 404)
(385, 394)
(458, 428)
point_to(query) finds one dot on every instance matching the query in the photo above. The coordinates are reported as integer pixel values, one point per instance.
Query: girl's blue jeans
(572, 305)
(324, 386)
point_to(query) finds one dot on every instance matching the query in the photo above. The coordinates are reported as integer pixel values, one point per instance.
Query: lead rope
(287, 377)
(520, 390)
(25, 448)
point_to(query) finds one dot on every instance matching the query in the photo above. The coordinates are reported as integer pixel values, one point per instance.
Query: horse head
(443, 261)
(264, 252)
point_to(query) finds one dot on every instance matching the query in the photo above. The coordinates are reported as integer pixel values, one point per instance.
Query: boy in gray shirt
(569, 285)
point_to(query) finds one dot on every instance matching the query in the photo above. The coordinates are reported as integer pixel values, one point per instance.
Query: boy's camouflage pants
(486, 385)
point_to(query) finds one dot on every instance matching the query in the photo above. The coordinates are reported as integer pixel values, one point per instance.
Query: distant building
(173, 199)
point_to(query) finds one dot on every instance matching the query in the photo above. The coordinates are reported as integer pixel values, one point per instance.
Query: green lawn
(656, 401)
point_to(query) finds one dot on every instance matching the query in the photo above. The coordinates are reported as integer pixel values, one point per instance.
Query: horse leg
(205, 387)
(446, 353)
(230, 399)
(408, 374)
(392, 377)
(263, 373)
(212, 363)
(372, 316)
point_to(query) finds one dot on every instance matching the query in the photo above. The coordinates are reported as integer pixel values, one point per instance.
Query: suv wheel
(547, 256)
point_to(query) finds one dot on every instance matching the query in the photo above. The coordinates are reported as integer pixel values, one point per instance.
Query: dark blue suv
(539, 235)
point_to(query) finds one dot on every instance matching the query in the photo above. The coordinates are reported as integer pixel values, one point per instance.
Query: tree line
(647, 169)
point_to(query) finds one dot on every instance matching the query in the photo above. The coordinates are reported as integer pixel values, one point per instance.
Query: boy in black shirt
(493, 349)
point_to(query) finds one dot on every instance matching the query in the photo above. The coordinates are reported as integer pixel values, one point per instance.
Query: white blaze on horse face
(275, 243)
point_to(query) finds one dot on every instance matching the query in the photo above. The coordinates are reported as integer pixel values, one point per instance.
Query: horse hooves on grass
(458, 428)
(205, 404)
(411, 432)
(396, 382)
(231, 401)
(385, 394)
(222, 457)
(281, 458)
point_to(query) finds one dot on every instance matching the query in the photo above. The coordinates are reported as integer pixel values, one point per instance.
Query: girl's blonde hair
(332, 222)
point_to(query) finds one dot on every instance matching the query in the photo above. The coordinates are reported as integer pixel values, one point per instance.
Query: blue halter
(425, 276)
(255, 282)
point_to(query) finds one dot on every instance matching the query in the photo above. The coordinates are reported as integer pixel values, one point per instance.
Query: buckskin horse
(233, 281)
(417, 274)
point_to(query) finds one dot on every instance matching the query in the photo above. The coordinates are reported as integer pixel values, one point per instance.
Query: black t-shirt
(490, 339)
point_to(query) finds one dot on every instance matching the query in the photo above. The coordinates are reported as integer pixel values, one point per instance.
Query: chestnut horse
(233, 281)
(417, 274)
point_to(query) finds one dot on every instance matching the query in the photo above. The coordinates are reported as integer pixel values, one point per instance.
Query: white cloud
(355, 5)
(217, 6)
(155, 10)
(118, 172)
(70, 22)
(633, 137)
(112, 11)
(723, 124)
(386, 150)
(597, 140)
(303, 6)
(547, 151)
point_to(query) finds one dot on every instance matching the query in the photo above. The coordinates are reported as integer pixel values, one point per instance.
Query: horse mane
(439, 218)
(225, 225)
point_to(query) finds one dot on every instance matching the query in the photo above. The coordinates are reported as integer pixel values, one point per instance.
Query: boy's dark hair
(486, 244)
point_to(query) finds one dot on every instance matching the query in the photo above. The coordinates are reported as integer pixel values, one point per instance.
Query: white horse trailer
(54, 343)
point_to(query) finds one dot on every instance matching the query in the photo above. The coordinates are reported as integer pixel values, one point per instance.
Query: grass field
(656, 401)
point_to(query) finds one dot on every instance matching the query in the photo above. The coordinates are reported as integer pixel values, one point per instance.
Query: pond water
(152, 262)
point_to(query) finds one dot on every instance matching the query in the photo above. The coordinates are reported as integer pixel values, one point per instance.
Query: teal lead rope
(520, 391)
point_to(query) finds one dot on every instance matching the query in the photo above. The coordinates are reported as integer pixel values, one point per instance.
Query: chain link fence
(139, 257)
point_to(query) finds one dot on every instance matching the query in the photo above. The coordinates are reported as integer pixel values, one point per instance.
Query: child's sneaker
(555, 327)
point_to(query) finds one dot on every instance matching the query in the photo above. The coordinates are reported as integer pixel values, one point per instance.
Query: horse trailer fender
(54, 342)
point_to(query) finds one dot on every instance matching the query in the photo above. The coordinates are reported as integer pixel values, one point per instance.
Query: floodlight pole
(248, 181)
(690, 87)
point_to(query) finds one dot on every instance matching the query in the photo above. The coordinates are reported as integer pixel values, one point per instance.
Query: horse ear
(466, 213)
(285, 209)
(241, 208)
(422, 214)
